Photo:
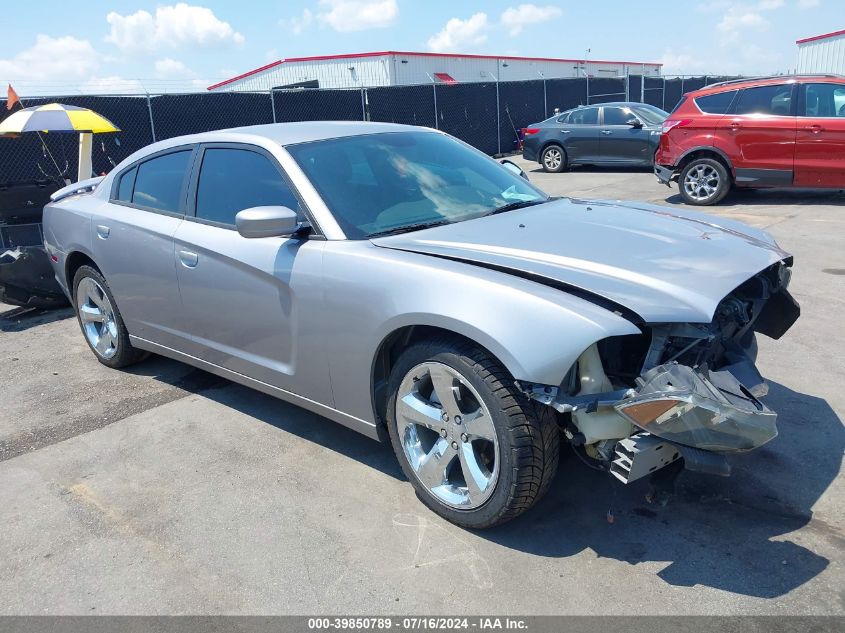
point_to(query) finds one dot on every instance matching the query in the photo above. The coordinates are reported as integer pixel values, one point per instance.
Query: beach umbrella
(60, 118)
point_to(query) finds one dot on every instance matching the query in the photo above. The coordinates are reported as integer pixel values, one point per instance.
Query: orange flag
(11, 97)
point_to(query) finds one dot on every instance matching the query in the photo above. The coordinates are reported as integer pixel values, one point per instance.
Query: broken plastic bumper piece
(708, 410)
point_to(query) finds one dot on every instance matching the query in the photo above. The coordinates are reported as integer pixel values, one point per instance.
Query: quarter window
(232, 180)
(127, 183)
(715, 104)
(824, 100)
(158, 184)
(772, 100)
(584, 116)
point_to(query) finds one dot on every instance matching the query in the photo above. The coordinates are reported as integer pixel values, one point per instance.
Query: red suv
(786, 131)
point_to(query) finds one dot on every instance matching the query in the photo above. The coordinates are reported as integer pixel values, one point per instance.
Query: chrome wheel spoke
(432, 468)
(104, 341)
(479, 425)
(96, 316)
(447, 389)
(412, 409)
(91, 314)
(476, 480)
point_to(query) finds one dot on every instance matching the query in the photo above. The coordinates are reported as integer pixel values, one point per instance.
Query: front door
(820, 146)
(759, 135)
(243, 297)
(621, 141)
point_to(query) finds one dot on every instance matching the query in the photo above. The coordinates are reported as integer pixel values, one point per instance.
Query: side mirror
(634, 122)
(268, 222)
(513, 168)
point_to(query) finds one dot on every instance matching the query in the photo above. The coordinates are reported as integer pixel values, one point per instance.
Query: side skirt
(356, 424)
(763, 177)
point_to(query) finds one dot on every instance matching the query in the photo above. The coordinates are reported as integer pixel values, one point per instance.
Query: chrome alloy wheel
(97, 317)
(702, 182)
(552, 158)
(448, 435)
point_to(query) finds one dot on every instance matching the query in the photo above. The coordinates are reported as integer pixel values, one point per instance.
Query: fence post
(664, 93)
(588, 87)
(498, 119)
(642, 85)
(273, 104)
(436, 118)
(545, 101)
(363, 107)
(627, 84)
(152, 123)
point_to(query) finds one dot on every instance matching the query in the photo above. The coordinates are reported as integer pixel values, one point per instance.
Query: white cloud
(741, 17)
(52, 58)
(168, 68)
(807, 4)
(515, 19)
(459, 35)
(354, 15)
(682, 63)
(173, 26)
(298, 24)
(111, 85)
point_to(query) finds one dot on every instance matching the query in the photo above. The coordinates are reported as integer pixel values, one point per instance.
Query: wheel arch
(706, 151)
(73, 262)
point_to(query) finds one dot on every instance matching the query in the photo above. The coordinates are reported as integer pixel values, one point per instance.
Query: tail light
(526, 131)
(669, 124)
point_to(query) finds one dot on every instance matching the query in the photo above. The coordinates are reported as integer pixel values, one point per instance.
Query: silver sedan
(399, 282)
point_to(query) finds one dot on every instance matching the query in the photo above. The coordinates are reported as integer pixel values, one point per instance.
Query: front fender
(537, 332)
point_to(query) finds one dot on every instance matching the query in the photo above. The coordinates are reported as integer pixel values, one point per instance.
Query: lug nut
(464, 437)
(455, 445)
(458, 419)
(445, 417)
(443, 433)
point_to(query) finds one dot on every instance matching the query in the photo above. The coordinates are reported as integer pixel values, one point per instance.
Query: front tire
(477, 451)
(553, 159)
(704, 181)
(100, 320)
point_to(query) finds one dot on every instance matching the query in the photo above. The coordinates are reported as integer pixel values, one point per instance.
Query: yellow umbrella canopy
(56, 117)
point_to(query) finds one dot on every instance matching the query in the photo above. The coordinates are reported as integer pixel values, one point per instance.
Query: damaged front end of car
(677, 391)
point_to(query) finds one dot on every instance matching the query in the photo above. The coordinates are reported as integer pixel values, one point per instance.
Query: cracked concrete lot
(165, 490)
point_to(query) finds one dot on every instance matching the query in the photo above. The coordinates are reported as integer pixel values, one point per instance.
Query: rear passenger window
(773, 100)
(126, 184)
(232, 180)
(824, 100)
(158, 184)
(717, 103)
(563, 118)
(584, 116)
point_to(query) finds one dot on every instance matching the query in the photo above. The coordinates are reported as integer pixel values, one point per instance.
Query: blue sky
(132, 45)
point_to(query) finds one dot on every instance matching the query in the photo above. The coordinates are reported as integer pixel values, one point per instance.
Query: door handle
(815, 129)
(103, 231)
(188, 259)
(606, 132)
(565, 131)
(735, 126)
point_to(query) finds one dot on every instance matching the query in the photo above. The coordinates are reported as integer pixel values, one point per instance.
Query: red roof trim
(246, 74)
(316, 58)
(820, 37)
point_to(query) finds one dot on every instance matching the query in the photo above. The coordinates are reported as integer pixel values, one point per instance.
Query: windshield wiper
(409, 227)
(519, 204)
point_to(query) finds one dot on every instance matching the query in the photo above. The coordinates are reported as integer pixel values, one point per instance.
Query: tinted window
(824, 100)
(158, 184)
(617, 116)
(232, 180)
(775, 100)
(563, 118)
(717, 103)
(584, 116)
(650, 115)
(127, 182)
(376, 183)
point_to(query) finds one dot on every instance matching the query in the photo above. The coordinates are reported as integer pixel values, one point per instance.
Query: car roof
(286, 133)
(737, 84)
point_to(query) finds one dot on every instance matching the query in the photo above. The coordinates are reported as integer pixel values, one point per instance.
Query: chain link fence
(488, 115)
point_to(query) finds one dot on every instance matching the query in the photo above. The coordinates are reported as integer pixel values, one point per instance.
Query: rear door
(581, 135)
(758, 135)
(820, 146)
(132, 243)
(621, 142)
(244, 297)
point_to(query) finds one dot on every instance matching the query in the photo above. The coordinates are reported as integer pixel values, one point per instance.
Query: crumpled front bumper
(699, 408)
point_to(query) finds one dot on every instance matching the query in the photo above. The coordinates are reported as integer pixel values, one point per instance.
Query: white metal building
(395, 68)
(822, 53)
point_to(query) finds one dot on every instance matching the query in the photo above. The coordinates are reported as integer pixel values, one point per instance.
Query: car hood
(665, 265)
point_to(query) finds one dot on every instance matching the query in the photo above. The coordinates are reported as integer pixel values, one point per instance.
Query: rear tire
(704, 181)
(488, 454)
(100, 320)
(553, 159)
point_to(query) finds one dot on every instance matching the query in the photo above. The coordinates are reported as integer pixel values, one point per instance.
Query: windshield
(650, 114)
(379, 183)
